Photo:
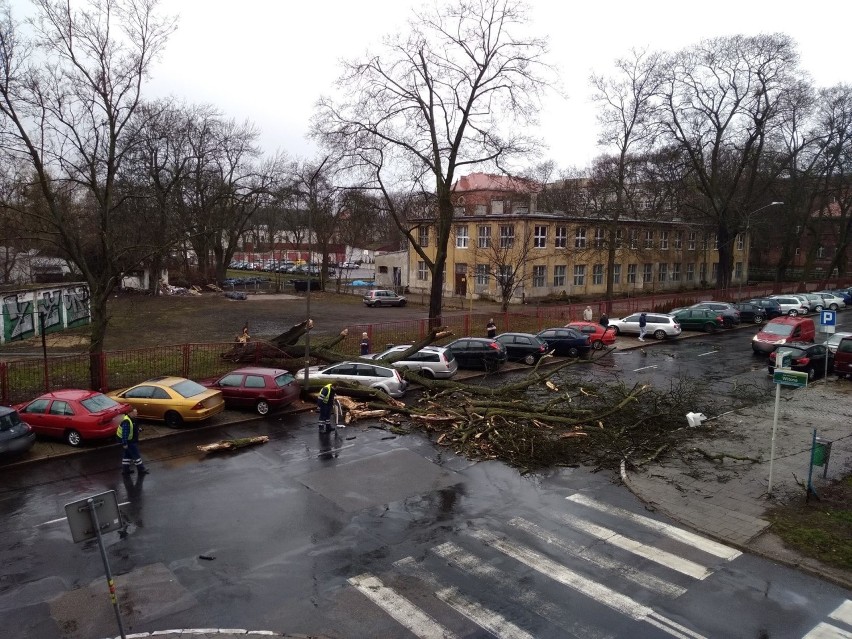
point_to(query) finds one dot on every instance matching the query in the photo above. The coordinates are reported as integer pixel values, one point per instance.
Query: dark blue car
(566, 341)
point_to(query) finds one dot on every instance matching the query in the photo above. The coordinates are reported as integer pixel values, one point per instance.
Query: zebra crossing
(839, 625)
(587, 539)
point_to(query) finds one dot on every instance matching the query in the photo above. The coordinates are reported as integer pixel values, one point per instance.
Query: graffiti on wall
(21, 312)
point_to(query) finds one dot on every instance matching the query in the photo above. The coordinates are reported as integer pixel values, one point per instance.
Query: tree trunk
(726, 256)
(100, 319)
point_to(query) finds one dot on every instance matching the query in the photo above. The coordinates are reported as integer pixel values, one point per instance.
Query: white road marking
(399, 608)
(635, 370)
(707, 353)
(58, 519)
(827, 631)
(843, 612)
(673, 532)
(672, 627)
(662, 557)
(590, 554)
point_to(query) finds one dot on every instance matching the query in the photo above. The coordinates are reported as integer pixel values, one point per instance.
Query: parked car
(660, 326)
(815, 302)
(843, 358)
(730, 314)
(16, 436)
(478, 352)
(791, 305)
(783, 330)
(381, 297)
(435, 362)
(834, 341)
(805, 358)
(832, 301)
(173, 400)
(523, 347)
(262, 389)
(844, 293)
(699, 319)
(385, 378)
(567, 341)
(751, 312)
(598, 335)
(349, 265)
(771, 307)
(74, 415)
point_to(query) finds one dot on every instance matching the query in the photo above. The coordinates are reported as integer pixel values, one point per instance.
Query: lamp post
(747, 245)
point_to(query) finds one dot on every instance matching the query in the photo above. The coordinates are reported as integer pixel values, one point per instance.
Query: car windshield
(782, 330)
(284, 379)
(834, 340)
(8, 422)
(97, 403)
(188, 388)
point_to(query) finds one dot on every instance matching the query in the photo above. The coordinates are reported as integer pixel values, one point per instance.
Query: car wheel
(793, 312)
(573, 352)
(173, 419)
(73, 438)
(709, 327)
(660, 334)
(833, 306)
(616, 331)
(758, 319)
(597, 345)
(428, 373)
(262, 407)
(402, 303)
(818, 308)
(529, 360)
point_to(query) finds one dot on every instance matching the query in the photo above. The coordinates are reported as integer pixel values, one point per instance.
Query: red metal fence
(21, 380)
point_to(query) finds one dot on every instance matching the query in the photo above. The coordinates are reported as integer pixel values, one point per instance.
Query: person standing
(604, 321)
(643, 322)
(365, 344)
(491, 327)
(128, 433)
(325, 402)
(587, 314)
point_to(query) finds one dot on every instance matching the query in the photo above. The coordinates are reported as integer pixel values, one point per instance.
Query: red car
(263, 389)
(73, 415)
(598, 336)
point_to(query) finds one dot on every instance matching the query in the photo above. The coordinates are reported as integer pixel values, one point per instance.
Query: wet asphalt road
(371, 535)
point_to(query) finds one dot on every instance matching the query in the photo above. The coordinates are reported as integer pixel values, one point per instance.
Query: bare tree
(456, 91)
(508, 261)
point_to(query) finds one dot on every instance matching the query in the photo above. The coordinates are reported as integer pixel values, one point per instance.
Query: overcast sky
(269, 60)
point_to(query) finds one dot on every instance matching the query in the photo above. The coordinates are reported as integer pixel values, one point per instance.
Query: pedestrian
(491, 327)
(604, 321)
(587, 314)
(128, 433)
(365, 344)
(325, 402)
(643, 322)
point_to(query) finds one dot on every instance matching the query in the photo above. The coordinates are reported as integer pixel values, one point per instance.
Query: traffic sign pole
(774, 431)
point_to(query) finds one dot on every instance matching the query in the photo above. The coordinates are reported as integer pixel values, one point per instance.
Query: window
(539, 276)
(423, 236)
(561, 240)
(599, 238)
(690, 241)
(633, 238)
(664, 240)
(821, 252)
(690, 272)
(580, 275)
(580, 238)
(559, 273)
(677, 243)
(675, 272)
(740, 241)
(504, 273)
(647, 273)
(481, 209)
(461, 236)
(662, 272)
(255, 381)
(715, 271)
(484, 237)
(458, 211)
(507, 236)
(497, 207)
(619, 238)
(738, 270)
(714, 239)
(631, 273)
(702, 272)
(798, 250)
(231, 381)
(616, 273)
(649, 239)
(597, 274)
(482, 276)
(540, 238)
(422, 271)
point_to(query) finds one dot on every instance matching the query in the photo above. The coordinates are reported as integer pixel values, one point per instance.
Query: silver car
(383, 297)
(832, 301)
(791, 304)
(659, 325)
(834, 341)
(385, 378)
(435, 362)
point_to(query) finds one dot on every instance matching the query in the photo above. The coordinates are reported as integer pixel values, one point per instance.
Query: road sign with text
(828, 318)
(790, 378)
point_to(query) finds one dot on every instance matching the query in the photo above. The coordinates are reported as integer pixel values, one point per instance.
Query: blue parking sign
(828, 318)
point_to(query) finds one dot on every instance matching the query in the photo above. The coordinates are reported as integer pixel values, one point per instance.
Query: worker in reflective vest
(325, 401)
(128, 433)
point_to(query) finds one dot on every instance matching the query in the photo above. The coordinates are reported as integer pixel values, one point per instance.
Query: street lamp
(747, 245)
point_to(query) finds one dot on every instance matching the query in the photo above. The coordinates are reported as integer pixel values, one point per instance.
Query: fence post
(422, 328)
(4, 383)
(466, 324)
(184, 351)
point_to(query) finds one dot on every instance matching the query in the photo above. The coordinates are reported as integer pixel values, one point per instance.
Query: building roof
(490, 182)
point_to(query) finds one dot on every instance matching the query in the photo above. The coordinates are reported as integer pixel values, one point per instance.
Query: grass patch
(821, 529)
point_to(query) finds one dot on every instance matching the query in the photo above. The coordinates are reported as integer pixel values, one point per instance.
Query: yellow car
(173, 400)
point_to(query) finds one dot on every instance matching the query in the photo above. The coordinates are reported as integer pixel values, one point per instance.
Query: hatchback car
(567, 341)
(74, 415)
(660, 326)
(832, 301)
(523, 347)
(16, 436)
(771, 307)
(699, 319)
(173, 400)
(599, 336)
(730, 314)
(751, 312)
(435, 362)
(262, 389)
(805, 358)
(385, 378)
(381, 297)
(478, 353)
(791, 305)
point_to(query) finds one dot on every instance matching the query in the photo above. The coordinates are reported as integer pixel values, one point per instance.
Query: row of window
(647, 238)
(665, 272)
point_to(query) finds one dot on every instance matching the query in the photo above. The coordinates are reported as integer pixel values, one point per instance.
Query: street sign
(828, 318)
(790, 378)
(79, 515)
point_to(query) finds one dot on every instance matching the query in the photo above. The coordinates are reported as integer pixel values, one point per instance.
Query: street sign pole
(110, 582)
(774, 431)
